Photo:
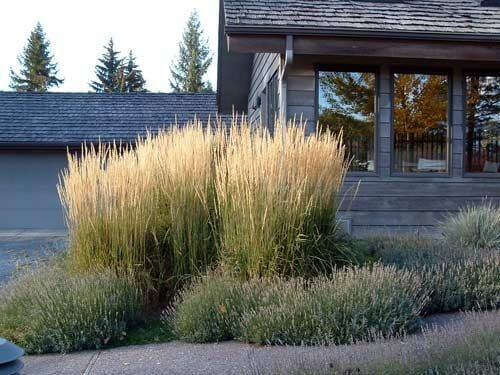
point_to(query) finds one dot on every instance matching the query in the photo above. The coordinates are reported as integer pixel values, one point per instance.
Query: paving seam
(91, 364)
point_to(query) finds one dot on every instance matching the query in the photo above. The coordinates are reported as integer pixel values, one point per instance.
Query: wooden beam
(369, 47)
(257, 43)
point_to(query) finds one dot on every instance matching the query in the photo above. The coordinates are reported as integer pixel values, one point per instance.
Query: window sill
(422, 174)
(482, 175)
(361, 174)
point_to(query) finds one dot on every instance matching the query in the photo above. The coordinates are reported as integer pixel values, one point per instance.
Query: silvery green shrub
(464, 284)
(49, 310)
(353, 304)
(456, 278)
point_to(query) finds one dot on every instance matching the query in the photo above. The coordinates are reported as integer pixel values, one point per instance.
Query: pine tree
(110, 72)
(193, 61)
(38, 72)
(132, 79)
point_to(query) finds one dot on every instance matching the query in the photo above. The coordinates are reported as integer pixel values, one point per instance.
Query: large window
(347, 101)
(482, 123)
(420, 123)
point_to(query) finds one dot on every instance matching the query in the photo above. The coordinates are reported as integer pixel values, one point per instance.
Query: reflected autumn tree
(420, 121)
(483, 123)
(420, 103)
(347, 103)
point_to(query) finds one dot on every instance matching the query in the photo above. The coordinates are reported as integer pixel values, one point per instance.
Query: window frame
(349, 68)
(430, 71)
(465, 73)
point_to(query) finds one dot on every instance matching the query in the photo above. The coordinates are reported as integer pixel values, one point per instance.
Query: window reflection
(420, 123)
(482, 124)
(347, 101)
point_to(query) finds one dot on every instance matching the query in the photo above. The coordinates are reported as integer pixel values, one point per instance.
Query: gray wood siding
(301, 94)
(385, 203)
(263, 68)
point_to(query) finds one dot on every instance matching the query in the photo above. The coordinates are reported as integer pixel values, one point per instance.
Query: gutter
(284, 83)
(365, 33)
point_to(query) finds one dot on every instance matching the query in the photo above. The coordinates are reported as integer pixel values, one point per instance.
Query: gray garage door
(28, 193)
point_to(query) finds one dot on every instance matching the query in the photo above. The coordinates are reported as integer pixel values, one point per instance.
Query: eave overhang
(356, 44)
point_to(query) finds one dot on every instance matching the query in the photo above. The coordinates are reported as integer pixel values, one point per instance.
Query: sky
(78, 31)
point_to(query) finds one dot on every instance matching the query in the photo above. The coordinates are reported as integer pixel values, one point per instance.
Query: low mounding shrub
(48, 310)
(474, 227)
(413, 251)
(464, 284)
(353, 304)
(208, 310)
(457, 278)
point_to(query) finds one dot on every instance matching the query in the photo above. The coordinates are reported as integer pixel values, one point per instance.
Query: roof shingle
(465, 17)
(67, 119)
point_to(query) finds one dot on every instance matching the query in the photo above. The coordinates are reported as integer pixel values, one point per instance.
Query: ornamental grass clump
(50, 310)
(190, 197)
(475, 226)
(145, 211)
(277, 200)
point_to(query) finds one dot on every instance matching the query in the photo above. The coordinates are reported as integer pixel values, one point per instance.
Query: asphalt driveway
(24, 248)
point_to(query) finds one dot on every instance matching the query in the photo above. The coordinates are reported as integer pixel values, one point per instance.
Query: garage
(28, 194)
(37, 129)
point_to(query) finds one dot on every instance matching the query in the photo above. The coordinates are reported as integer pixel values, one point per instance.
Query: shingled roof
(466, 18)
(68, 119)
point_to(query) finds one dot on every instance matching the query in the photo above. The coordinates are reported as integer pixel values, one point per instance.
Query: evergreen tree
(38, 72)
(193, 61)
(110, 72)
(132, 79)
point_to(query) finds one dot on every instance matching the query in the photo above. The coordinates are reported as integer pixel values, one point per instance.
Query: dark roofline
(35, 146)
(89, 93)
(367, 33)
(54, 146)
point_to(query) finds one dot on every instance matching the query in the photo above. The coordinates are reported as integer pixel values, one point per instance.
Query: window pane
(420, 122)
(483, 124)
(347, 101)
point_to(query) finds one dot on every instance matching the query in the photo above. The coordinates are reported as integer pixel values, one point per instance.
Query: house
(37, 129)
(415, 85)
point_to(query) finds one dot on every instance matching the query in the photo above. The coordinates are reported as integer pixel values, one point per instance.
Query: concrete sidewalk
(228, 357)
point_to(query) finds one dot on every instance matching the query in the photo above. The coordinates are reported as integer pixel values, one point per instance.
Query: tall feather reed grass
(146, 210)
(277, 201)
(177, 202)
